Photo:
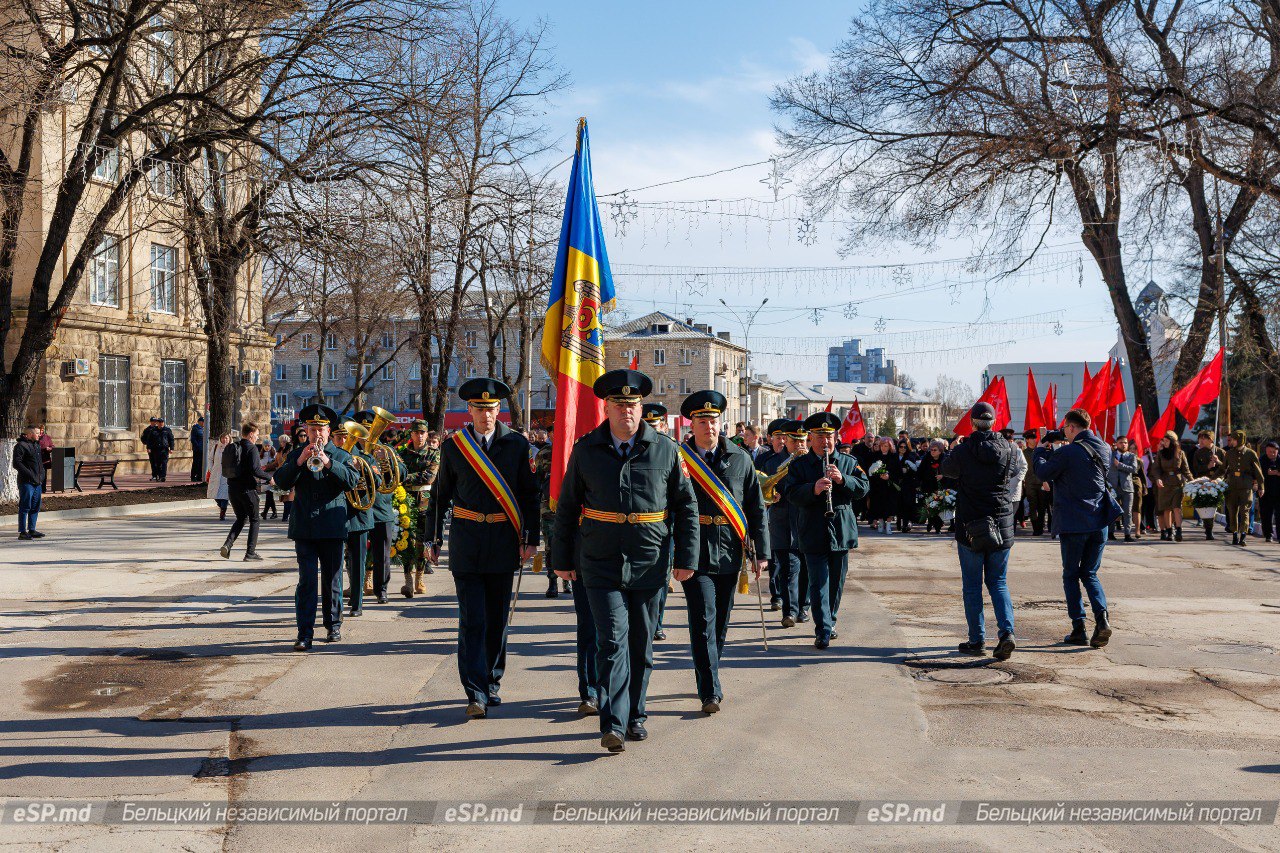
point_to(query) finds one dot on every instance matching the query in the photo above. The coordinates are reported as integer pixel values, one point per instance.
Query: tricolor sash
(490, 476)
(707, 480)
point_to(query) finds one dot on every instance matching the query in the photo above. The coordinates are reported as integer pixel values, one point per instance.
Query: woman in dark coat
(882, 501)
(929, 478)
(908, 482)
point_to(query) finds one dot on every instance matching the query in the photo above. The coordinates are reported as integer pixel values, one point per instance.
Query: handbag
(1114, 510)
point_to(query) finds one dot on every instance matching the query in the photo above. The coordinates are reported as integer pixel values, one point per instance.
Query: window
(684, 386)
(471, 371)
(173, 392)
(279, 340)
(415, 372)
(660, 387)
(435, 370)
(472, 339)
(280, 402)
(388, 340)
(113, 392)
(163, 179)
(164, 279)
(306, 340)
(307, 374)
(331, 372)
(389, 372)
(104, 273)
(659, 357)
(282, 372)
(686, 356)
(108, 168)
(413, 401)
(330, 340)
(160, 52)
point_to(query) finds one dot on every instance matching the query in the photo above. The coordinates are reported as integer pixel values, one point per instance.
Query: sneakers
(253, 557)
(25, 537)
(35, 534)
(976, 650)
(1004, 648)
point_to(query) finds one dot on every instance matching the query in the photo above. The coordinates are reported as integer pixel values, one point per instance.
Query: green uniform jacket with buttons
(319, 503)
(814, 532)
(720, 549)
(361, 520)
(483, 547)
(384, 508)
(608, 555)
(1242, 468)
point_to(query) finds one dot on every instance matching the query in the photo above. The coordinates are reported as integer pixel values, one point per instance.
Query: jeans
(28, 506)
(624, 621)
(826, 584)
(484, 600)
(245, 504)
(326, 556)
(990, 568)
(710, 601)
(1081, 557)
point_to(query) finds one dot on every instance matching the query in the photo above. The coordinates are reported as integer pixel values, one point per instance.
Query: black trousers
(1037, 506)
(624, 620)
(197, 463)
(245, 504)
(1269, 512)
(326, 556)
(380, 539)
(354, 557)
(710, 602)
(484, 599)
(159, 463)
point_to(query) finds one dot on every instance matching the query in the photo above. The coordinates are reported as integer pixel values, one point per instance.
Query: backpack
(231, 455)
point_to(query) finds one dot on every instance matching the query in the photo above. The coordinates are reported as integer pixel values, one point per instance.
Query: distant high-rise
(847, 363)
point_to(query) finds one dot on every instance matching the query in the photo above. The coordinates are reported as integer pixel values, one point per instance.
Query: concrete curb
(123, 510)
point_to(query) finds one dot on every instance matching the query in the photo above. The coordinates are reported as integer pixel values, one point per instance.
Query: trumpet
(360, 497)
(386, 457)
(314, 465)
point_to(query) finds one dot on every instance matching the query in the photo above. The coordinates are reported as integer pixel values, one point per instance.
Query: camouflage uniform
(422, 466)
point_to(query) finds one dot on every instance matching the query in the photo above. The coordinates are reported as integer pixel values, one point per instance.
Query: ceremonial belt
(469, 515)
(417, 488)
(710, 484)
(712, 519)
(490, 476)
(623, 517)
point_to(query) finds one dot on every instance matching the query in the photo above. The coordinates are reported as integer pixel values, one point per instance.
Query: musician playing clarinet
(822, 486)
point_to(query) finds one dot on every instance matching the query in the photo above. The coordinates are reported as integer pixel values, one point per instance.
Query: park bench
(103, 469)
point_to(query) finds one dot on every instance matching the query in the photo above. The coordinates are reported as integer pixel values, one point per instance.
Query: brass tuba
(769, 484)
(386, 457)
(360, 497)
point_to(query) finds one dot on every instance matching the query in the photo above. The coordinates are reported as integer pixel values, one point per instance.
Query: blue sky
(673, 90)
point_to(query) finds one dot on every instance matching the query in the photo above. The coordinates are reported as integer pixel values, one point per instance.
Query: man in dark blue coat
(823, 486)
(787, 563)
(624, 497)
(486, 544)
(386, 520)
(1074, 461)
(320, 473)
(709, 593)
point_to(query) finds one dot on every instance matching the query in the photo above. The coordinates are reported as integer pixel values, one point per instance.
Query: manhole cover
(979, 676)
(1236, 649)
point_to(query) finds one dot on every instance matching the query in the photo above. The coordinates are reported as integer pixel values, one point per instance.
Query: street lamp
(745, 389)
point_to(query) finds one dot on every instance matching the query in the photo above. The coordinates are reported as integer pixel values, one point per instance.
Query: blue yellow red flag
(572, 333)
(719, 493)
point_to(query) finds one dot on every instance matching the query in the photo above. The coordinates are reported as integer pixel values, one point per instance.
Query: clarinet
(831, 510)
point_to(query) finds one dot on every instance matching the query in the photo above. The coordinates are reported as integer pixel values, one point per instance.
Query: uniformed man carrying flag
(486, 477)
(823, 485)
(320, 475)
(624, 496)
(731, 520)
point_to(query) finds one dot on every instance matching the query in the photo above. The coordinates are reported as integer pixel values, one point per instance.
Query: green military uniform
(621, 503)
(385, 527)
(421, 467)
(318, 528)
(1038, 500)
(1208, 462)
(1244, 475)
(711, 590)
(546, 515)
(359, 523)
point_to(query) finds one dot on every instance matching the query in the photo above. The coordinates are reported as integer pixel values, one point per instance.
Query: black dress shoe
(711, 706)
(334, 635)
(588, 708)
(835, 635)
(302, 645)
(382, 598)
(637, 731)
(476, 711)
(788, 622)
(821, 643)
(253, 557)
(356, 611)
(977, 650)
(25, 537)
(659, 634)
(495, 700)
(1077, 637)
(1004, 648)
(803, 617)
(775, 606)
(612, 742)
(35, 534)
(553, 593)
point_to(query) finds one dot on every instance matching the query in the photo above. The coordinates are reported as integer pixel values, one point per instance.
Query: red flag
(965, 425)
(1116, 394)
(1000, 400)
(829, 402)
(1202, 390)
(1085, 385)
(635, 361)
(853, 427)
(1050, 406)
(1034, 418)
(1138, 436)
(1167, 422)
(1093, 395)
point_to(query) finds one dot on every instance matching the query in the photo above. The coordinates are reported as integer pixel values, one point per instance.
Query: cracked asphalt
(138, 664)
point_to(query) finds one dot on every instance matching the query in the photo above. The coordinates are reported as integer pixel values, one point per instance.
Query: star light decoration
(775, 180)
(624, 211)
(697, 286)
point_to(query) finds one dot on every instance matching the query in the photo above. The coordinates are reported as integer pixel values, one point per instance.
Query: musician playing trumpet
(822, 485)
(788, 579)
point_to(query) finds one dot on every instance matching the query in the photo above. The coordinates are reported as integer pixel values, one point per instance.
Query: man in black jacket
(242, 492)
(158, 439)
(985, 470)
(29, 465)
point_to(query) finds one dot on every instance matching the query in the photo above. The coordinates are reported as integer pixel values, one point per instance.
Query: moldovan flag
(1137, 434)
(1034, 418)
(853, 427)
(572, 336)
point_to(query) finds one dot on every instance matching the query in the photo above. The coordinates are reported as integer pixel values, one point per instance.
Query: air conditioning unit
(75, 367)
(250, 377)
